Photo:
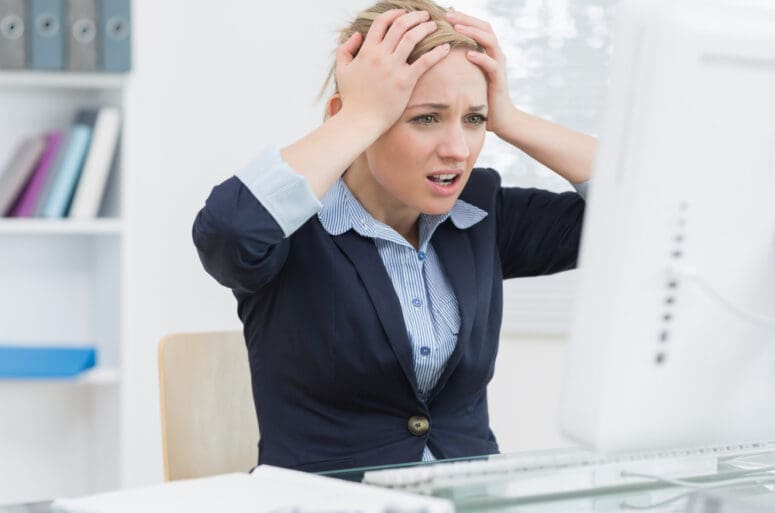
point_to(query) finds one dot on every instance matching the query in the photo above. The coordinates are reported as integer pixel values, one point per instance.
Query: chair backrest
(209, 423)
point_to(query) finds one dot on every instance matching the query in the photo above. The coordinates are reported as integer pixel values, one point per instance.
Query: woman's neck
(380, 204)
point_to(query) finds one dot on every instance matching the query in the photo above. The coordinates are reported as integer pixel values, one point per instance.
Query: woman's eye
(425, 119)
(477, 119)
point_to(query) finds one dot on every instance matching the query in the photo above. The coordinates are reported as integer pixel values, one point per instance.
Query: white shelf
(62, 80)
(97, 376)
(60, 226)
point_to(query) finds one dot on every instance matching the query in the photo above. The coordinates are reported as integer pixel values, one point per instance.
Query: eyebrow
(442, 106)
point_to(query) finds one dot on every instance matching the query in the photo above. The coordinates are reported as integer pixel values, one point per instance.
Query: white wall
(213, 82)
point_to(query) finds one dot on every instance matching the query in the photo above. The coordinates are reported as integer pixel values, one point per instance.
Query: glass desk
(732, 474)
(732, 481)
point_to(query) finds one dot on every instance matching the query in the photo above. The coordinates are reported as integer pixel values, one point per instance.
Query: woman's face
(422, 163)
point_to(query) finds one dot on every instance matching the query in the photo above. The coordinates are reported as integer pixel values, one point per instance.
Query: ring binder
(12, 40)
(46, 40)
(82, 35)
(116, 44)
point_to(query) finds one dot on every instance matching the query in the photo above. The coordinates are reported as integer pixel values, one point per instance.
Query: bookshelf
(61, 283)
(57, 226)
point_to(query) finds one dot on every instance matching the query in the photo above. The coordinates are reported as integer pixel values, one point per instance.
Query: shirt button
(425, 350)
(418, 426)
(416, 302)
(421, 255)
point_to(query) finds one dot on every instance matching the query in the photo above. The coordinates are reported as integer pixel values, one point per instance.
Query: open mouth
(444, 179)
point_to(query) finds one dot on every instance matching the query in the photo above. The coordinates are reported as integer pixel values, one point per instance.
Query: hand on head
(373, 76)
(492, 63)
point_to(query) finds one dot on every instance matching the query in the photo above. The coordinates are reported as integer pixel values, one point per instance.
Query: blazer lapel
(364, 256)
(457, 258)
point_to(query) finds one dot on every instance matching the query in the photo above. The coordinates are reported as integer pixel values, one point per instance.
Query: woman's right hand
(378, 82)
(374, 88)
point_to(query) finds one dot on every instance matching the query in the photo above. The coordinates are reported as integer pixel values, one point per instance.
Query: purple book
(25, 204)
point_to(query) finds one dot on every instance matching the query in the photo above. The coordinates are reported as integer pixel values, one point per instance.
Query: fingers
(412, 37)
(401, 26)
(346, 51)
(478, 30)
(456, 17)
(380, 25)
(490, 66)
(395, 32)
(427, 61)
(484, 38)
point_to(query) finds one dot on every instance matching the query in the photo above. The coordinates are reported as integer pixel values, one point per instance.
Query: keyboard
(569, 471)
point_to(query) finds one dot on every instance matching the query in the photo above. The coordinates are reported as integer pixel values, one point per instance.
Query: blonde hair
(444, 32)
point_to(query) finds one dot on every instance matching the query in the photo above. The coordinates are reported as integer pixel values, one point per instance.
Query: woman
(367, 258)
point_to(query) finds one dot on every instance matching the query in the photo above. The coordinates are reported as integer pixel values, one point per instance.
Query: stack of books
(62, 173)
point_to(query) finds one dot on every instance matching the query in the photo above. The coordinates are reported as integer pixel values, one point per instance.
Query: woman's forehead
(452, 79)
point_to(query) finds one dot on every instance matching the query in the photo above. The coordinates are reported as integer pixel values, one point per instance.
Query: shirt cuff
(582, 188)
(285, 194)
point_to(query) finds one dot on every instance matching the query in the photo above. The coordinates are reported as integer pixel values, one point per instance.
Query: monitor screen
(673, 343)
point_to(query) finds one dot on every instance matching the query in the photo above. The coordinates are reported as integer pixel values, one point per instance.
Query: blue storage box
(25, 362)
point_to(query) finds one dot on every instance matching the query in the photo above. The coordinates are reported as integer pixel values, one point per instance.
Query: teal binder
(47, 50)
(116, 35)
(66, 178)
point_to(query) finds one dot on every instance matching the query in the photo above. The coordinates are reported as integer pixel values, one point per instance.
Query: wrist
(361, 124)
(510, 124)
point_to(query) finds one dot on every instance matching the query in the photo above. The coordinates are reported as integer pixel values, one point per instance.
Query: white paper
(267, 490)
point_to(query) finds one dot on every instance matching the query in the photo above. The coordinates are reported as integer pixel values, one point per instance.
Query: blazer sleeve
(239, 242)
(243, 233)
(538, 231)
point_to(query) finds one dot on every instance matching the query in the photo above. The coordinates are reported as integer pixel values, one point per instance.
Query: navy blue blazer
(330, 359)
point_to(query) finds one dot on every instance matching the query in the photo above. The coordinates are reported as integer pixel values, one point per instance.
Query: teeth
(443, 179)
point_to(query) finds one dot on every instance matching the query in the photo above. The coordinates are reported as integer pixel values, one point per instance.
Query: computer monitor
(673, 342)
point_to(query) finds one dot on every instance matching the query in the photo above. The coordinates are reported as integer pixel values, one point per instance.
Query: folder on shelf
(47, 47)
(116, 35)
(25, 204)
(58, 200)
(17, 173)
(19, 362)
(82, 35)
(12, 38)
(99, 160)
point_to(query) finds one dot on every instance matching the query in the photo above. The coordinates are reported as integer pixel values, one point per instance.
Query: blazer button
(418, 426)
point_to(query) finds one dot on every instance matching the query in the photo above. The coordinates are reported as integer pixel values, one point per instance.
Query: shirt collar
(341, 212)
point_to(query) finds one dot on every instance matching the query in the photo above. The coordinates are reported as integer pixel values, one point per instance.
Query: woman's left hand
(492, 63)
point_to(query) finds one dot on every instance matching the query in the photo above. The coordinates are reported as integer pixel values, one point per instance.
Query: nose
(453, 145)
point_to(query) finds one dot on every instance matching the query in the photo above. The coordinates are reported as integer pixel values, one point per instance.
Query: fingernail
(450, 13)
